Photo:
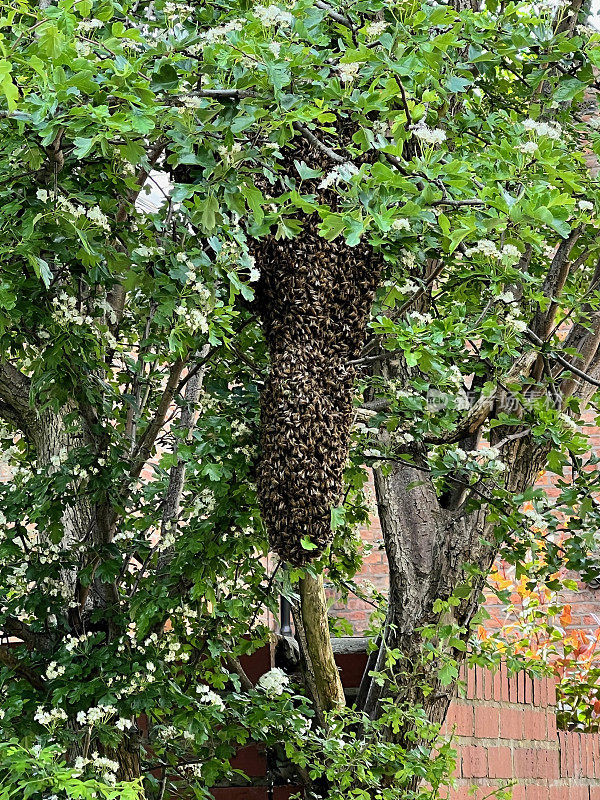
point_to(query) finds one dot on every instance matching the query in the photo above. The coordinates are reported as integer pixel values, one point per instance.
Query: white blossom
(273, 15)
(49, 718)
(96, 216)
(551, 130)
(486, 247)
(54, 670)
(376, 28)
(342, 173)
(529, 148)
(348, 71)
(209, 697)
(400, 225)
(274, 681)
(219, 34)
(510, 252)
(428, 135)
(585, 205)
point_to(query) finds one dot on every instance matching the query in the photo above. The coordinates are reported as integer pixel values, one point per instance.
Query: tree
(379, 247)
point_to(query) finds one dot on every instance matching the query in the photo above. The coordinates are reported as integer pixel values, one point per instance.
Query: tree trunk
(318, 639)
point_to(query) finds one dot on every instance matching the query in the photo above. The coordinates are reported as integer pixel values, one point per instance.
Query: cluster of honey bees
(314, 299)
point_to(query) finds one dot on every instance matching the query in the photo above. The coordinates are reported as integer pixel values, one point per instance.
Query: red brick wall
(505, 733)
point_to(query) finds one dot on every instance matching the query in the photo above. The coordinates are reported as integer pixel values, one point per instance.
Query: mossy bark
(318, 639)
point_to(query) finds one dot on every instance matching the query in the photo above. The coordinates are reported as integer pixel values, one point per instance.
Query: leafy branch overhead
(247, 251)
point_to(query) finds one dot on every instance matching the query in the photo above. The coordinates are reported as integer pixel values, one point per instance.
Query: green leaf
(338, 517)
(41, 269)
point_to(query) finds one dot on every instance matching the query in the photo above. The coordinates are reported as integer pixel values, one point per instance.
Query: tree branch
(12, 662)
(331, 12)
(145, 444)
(15, 404)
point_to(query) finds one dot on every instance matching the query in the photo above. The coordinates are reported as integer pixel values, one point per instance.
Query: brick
(594, 792)
(512, 688)
(551, 691)
(504, 680)
(547, 764)
(525, 760)
(534, 724)
(518, 792)
(500, 762)
(471, 683)
(511, 723)
(528, 690)
(562, 751)
(551, 722)
(536, 791)
(460, 719)
(558, 793)
(474, 761)
(488, 685)
(486, 722)
(521, 678)
(497, 691)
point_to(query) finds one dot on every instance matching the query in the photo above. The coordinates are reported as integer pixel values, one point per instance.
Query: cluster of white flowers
(105, 766)
(190, 101)
(342, 173)
(98, 218)
(102, 714)
(408, 287)
(428, 135)
(420, 319)
(515, 322)
(275, 48)
(376, 28)
(273, 682)
(585, 205)
(174, 651)
(585, 30)
(228, 154)
(149, 252)
(54, 670)
(194, 319)
(488, 458)
(528, 148)
(400, 437)
(203, 505)
(49, 718)
(509, 253)
(94, 214)
(348, 71)
(550, 129)
(175, 11)
(77, 642)
(89, 24)
(65, 311)
(219, 34)
(209, 697)
(569, 423)
(401, 225)
(273, 15)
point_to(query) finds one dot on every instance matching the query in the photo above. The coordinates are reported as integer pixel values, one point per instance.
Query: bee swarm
(314, 299)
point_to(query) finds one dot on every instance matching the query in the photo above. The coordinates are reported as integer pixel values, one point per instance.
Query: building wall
(505, 730)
